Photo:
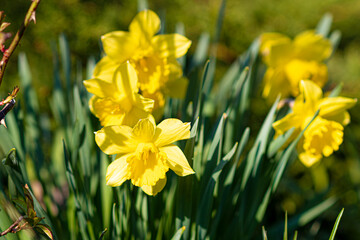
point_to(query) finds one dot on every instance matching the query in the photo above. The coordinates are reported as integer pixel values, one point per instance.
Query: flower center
(323, 137)
(147, 165)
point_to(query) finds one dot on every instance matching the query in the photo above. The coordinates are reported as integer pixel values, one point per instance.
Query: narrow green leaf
(259, 147)
(312, 213)
(278, 142)
(45, 230)
(324, 25)
(336, 91)
(286, 228)
(204, 210)
(264, 233)
(178, 234)
(295, 235)
(336, 225)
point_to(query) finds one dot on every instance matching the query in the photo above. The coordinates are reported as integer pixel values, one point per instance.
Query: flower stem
(30, 16)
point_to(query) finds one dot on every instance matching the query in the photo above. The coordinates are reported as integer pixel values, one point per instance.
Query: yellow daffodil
(290, 61)
(145, 153)
(153, 56)
(116, 100)
(325, 134)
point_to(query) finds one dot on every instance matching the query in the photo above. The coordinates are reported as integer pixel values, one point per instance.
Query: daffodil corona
(325, 134)
(153, 57)
(145, 153)
(116, 100)
(290, 61)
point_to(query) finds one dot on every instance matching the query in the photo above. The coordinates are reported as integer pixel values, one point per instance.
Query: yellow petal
(335, 105)
(170, 45)
(177, 160)
(119, 45)
(144, 130)
(267, 40)
(297, 70)
(145, 24)
(343, 118)
(280, 54)
(146, 104)
(323, 137)
(101, 88)
(311, 46)
(276, 83)
(153, 190)
(311, 92)
(171, 130)
(135, 114)
(147, 166)
(117, 172)
(115, 140)
(286, 123)
(126, 80)
(108, 111)
(105, 69)
(309, 159)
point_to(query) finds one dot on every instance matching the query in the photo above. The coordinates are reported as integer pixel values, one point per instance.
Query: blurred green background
(84, 21)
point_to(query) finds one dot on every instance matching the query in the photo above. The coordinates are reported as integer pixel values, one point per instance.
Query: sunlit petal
(115, 140)
(101, 88)
(312, 47)
(286, 123)
(171, 130)
(145, 24)
(177, 160)
(335, 105)
(119, 45)
(271, 39)
(105, 69)
(153, 190)
(170, 45)
(311, 92)
(117, 172)
(126, 80)
(144, 130)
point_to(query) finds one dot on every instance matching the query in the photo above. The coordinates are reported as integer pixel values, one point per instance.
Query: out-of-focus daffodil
(116, 100)
(290, 61)
(145, 153)
(325, 134)
(153, 56)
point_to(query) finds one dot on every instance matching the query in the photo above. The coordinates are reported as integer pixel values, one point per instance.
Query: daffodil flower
(153, 56)
(290, 61)
(116, 100)
(145, 153)
(325, 134)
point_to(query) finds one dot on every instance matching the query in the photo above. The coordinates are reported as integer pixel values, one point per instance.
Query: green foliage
(237, 173)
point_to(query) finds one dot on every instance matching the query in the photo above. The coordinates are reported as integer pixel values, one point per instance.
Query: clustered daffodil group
(290, 61)
(130, 85)
(325, 132)
(296, 68)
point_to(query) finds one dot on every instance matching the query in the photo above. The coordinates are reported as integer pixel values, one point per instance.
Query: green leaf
(45, 230)
(102, 234)
(336, 225)
(178, 234)
(258, 150)
(280, 168)
(204, 210)
(324, 25)
(264, 233)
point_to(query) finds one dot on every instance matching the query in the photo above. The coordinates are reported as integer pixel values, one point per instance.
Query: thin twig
(13, 227)
(30, 16)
